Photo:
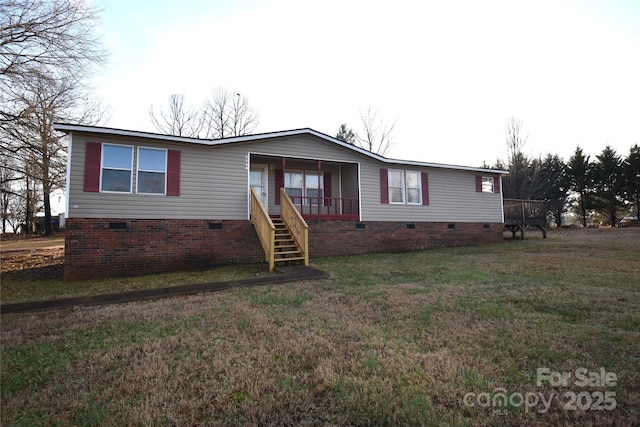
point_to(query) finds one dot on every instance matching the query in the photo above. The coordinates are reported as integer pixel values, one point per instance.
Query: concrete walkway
(288, 274)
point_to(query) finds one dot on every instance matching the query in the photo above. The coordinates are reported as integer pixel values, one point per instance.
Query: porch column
(320, 194)
(284, 164)
(279, 180)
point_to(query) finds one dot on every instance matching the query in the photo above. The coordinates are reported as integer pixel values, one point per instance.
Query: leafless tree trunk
(47, 51)
(526, 176)
(243, 119)
(228, 114)
(377, 134)
(515, 141)
(178, 119)
(216, 113)
(223, 115)
(48, 34)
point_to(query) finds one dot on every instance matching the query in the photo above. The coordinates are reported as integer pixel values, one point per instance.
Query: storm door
(258, 180)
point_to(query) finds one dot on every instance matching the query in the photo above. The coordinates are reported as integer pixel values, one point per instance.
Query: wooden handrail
(264, 227)
(323, 207)
(296, 224)
(524, 211)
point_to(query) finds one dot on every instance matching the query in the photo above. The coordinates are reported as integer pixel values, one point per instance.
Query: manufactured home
(141, 202)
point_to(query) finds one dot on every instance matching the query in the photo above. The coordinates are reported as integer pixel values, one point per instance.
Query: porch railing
(326, 207)
(519, 215)
(532, 212)
(296, 224)
(264, 227)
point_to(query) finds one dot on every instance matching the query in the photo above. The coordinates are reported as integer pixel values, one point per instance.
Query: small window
(304, 186)
(487, 184)
(152, 170)
(396, 186)
(293, 182)
(405, 187)
(414, 192)
(117, 161)
(313, 186)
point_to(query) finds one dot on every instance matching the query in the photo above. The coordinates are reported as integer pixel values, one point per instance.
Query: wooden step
(289, 260)
(296, 252)
(287, 246)
(286, 250)
(283, 237)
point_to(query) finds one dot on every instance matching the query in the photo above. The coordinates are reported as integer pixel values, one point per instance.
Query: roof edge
(69, 128)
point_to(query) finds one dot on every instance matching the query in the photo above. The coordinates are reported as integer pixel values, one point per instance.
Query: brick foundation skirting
(98, 248)
(335, 238)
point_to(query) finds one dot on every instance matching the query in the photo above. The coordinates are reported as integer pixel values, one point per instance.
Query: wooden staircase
(285, 239)
(286, 251)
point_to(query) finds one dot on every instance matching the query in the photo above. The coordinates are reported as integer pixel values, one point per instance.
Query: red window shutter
(479, 183)
(173, 172)
(92, 159)
(327, 188)
(384, 186)
(425, 188)
(496, 184)
(279, 184)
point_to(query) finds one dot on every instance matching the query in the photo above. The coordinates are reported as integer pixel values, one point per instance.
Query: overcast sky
(450, 73)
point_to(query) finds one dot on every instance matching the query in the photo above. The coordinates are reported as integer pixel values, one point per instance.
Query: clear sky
(450, 73)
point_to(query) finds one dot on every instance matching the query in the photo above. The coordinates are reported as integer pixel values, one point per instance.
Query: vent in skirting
(117, 226)
(360, 226)
(411, 226)
(215, 226)
(487, 226)
(451, 226)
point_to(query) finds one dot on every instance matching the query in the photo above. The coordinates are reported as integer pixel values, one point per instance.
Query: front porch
(319, 189)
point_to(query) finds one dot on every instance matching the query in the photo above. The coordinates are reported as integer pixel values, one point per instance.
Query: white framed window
(304, 183)
(396, 186)
(152, 171)
(405, 187)
(294, 183)
(116, 168)
(487, 184)
(313, 186)
(414, 187)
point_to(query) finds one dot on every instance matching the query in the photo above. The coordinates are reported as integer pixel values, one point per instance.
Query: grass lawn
(32, 271)
(432, 337)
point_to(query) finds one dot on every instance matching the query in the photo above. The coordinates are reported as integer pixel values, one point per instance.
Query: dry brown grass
(32, 270)
(386, 340)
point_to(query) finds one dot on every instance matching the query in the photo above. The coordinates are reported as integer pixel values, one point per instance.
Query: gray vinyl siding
(349, 180)
(214, 183)
(452, 198)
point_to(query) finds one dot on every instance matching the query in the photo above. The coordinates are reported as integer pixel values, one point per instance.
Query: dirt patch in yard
(32, 258)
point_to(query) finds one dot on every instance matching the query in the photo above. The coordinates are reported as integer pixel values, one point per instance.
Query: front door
(258, 180)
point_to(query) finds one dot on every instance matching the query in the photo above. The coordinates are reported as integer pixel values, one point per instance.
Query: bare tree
(216, 113)
(222, 115)
(47, 50)
(514, 137)
(33, 139)
(8, 177)
(243, 119)
(526, 176)
(228, 114)
(178, 119)
(377, 134)
(37, 34)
